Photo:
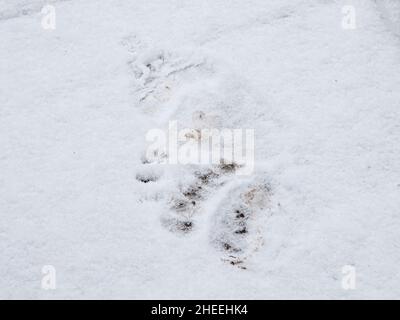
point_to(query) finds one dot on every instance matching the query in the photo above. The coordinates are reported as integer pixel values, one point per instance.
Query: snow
(324, 104)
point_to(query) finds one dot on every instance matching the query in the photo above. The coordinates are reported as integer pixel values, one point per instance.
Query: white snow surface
(325, 105)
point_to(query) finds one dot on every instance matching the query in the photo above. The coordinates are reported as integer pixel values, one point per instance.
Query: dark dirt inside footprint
(178, 226)
(229, 247)
(241, 230)
(193, 192)
(228, 167)
(183, 204)
(241, 213)
(146, 178)
(185, 226)
(206, 176)
(241, 216)
(237, 262)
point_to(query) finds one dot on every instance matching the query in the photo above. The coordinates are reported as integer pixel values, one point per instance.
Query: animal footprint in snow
(159, 75)
(237, 221)
(185, 204)
(171, 87)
